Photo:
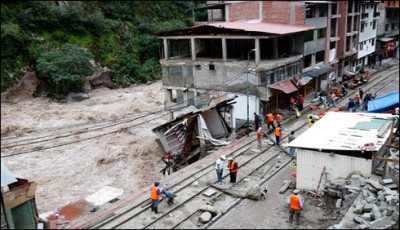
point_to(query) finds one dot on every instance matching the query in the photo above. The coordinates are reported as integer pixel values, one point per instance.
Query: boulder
(338, 203)
(371, 199)
(368, 208)
(358, 219)
(375, 210)
(205, 217)
(358, 209)
(375, 184)
(367, 216)
(99, 79)
(23, 90)
(210, 209)
(254, 193)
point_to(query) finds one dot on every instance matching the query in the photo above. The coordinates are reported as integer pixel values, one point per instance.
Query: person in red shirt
(301, 102)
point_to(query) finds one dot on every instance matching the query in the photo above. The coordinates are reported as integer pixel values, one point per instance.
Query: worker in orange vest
(270, 120)
(292, 101)
(259, 137)
(233, 169)
(155, 196)
(296, 203)
(278, 118)
(278, 134)
(357, 100)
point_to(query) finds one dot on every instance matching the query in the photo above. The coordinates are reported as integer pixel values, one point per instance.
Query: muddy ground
(129, 159)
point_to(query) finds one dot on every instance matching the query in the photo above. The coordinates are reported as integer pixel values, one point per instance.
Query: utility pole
(247, 89)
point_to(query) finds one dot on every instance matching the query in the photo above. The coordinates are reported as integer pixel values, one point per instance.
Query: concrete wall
(369, 33)
(314, 46)
(310, 164)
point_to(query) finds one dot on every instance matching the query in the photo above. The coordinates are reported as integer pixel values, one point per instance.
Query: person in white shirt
(219, 167)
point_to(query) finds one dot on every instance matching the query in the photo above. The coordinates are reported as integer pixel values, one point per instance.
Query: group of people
(359, 101)
(297, 102)
(232, 166)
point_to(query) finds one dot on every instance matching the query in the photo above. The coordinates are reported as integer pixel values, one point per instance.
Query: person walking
(296, 204)
(301, 102)
(259, 137)
(322, 99)
(291, 138)
(357, 102)
(257, 120)
(292, 101)
(350, 105)
(278, 134)
(155, 196)
(311, 120)
(361, 93)
(233, 169)
(278, 118)
(219, 167)
(270, 120)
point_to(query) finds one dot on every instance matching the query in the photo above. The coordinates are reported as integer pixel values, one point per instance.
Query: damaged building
(260, 59)
(196, 130)
(356, 143)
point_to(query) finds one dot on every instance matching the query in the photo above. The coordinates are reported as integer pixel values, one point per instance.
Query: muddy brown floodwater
(129, 159)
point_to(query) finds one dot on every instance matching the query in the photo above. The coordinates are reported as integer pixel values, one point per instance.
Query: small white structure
(342, 142)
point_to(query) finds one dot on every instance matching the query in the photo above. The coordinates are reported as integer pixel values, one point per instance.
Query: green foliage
(63, 70)
(119, 35)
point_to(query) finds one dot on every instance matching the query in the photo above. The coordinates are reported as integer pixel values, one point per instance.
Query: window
(361, 46)
(370, 24)
(307, 61)
(308, 35)
(198, 67)
(271, 77)
(310, 11)
(393, 26)
(322, 33)
(175, 71)
(374, 25)
(319, 57)
(263, 78)
(211, 67)
(362, 27)
(373, 42)
(363, 9)
(189, 71)
(323, 10)
(386, 27)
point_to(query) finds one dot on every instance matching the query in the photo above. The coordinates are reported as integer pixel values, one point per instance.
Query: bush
(63, 70)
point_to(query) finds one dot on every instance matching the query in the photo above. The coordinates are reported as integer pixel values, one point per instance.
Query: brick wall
(276, 11)
(244, 11)
(300, 14)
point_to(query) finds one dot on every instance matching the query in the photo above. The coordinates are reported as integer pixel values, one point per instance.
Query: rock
(205, 217)
(209, 192)
(363, 226)
(24, 90)
(356, 180)
(367, 216)
(254, 193)
(209, 208)
(365, 193)
(358, 209)
(368, 208)
(99, 79)
(389, 211)
(386, 181)
(375, 210)
(392, 186)
(374, 184)
(382, 223)
(338, 203)
(196, 183)
(371, 199)
(388, 191)
(381, 197)
(77, 97)
(338, 226)
(372, 189)
(383, 206)
(357, 219)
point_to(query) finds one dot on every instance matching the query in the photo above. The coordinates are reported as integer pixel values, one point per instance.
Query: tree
(63, 70)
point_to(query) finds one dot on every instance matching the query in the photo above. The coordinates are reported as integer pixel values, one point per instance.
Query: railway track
(256, 168)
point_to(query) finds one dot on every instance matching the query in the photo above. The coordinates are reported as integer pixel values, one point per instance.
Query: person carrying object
(155, 196)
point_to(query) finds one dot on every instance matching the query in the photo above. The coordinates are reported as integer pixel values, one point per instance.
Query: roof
(318, 70)
(242, 27)
(349, 132)
(286, 86)
(213, 6)
(264, 27)
(6, 176)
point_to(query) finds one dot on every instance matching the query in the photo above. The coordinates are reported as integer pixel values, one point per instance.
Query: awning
(318, 70)
(302, 80)
(286, 86)
(385, 39)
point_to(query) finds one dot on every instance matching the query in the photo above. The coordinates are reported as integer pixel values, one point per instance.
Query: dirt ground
(129, 159)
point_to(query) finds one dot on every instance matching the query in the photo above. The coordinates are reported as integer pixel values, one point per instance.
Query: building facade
(388, 29)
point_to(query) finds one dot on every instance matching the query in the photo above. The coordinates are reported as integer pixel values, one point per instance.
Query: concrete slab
(104, 195)
(209, 192)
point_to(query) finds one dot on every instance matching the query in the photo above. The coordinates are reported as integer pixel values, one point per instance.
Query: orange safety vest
(153, 193)
(357, 98)
(295, 202)
(278, 132)
(231, 166)
(270, 117)
(292, 100)
(259, 135)
(279, 118)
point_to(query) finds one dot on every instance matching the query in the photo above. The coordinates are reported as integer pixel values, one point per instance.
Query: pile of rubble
(365, 203)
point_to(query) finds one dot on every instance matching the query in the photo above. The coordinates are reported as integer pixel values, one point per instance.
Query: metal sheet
(286, 86)
(6, 176)
(310, 164)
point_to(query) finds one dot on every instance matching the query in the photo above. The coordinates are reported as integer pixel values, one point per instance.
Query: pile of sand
(129, 159)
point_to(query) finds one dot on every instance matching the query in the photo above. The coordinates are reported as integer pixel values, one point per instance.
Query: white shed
(342, 142)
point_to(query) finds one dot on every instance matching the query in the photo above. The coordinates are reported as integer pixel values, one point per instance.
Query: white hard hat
(230, 158)
(223, 157)
(296, 191)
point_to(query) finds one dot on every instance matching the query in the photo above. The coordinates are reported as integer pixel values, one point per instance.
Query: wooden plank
(285, 186)
(32, 190)
(387, 159)
(17, 196)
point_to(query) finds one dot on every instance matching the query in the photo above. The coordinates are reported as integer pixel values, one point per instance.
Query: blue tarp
(387, 102)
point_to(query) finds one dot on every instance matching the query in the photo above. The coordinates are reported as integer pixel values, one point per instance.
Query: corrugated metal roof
(286, 86)
(6, 176)
(337, 131)
(264, 27)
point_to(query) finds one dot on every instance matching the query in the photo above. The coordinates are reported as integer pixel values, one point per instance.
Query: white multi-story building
(367, 34)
